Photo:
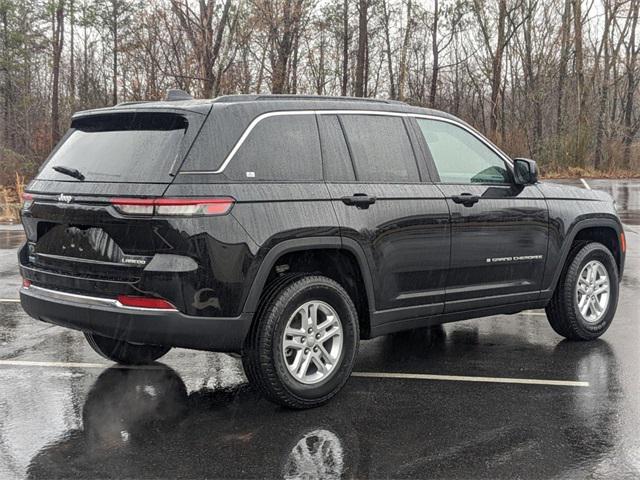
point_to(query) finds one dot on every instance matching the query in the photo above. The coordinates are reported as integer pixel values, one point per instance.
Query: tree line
(555, 80)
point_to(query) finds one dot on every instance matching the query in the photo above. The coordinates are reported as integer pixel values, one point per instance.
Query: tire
(123, 352)
(265, 362)
(563, 311)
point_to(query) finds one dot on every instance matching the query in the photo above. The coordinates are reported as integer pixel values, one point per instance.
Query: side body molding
(309, 243)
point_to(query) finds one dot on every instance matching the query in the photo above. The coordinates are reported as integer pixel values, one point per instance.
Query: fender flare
(576, 228)
(309, 243)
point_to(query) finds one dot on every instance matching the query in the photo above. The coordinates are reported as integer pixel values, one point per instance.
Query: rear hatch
(71, 223)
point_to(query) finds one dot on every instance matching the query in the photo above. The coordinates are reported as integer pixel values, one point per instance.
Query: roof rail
(175, 94)
(252, 98)
(324, 97)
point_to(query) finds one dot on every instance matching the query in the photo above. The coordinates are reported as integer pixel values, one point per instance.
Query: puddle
(10, 239)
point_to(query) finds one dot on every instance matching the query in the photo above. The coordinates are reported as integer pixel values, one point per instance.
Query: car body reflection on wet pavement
(145, 423)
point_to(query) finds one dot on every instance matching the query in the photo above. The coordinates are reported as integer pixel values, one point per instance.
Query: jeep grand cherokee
(286, 229)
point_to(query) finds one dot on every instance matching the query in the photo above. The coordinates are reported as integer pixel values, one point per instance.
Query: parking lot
(499, 397)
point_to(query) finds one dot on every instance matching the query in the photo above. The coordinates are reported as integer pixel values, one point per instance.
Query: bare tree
(57, 27)
(361, 59)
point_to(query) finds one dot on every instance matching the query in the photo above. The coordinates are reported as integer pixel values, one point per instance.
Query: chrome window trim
(281, 113)
(85, 300)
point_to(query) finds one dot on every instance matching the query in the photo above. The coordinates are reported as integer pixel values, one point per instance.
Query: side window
(335, 154)
(283, 147)
(460, 157)
(380, 148)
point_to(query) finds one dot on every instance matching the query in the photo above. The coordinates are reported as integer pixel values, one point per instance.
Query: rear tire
(123, 352)
(586, 297)
(321, 325)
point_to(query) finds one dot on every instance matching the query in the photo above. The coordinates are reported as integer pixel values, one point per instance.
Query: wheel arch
(604, 230)
(306, 244)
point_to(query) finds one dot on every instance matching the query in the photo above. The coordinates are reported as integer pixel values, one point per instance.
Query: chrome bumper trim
(85, 300)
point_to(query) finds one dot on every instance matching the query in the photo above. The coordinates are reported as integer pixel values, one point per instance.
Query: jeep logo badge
(65, 198)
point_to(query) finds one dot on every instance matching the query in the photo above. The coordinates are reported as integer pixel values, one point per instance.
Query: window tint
(380, 148)
(335, 154)
(460, 157)
(283, 147)
(105, 148)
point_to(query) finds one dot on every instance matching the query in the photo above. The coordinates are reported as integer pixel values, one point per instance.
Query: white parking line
(462, 378)
(9, 300)
(586, 185)
(405, 376)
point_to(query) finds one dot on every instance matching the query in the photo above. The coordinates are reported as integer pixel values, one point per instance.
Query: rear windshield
(122, 147)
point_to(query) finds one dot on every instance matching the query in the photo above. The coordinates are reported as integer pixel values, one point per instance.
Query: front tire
(586, 297)
(123, 352)
(302, 346)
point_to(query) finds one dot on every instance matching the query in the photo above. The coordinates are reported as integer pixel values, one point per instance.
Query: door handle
(466, 199)
(360, 200)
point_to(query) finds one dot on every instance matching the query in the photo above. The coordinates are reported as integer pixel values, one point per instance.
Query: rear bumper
(107, 317)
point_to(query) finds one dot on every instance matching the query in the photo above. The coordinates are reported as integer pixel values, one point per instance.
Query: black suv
(287, 228)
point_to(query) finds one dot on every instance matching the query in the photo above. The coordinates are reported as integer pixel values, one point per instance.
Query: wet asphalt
(67, 413)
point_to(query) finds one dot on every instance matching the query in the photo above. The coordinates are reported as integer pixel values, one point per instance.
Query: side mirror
(525, 171)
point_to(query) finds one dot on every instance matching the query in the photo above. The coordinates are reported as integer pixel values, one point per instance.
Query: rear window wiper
(72, 172)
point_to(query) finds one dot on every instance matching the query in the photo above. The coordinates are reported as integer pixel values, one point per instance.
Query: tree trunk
(387, 39)
(6, 87)
(58, 41)
(290, 19)
(632, 82)
(564, 59)
(434, 48)
(496, 69)
(345, 49)
(579, 66)
(72, 65)
(598, 160)
(114, 76)
(402, 75)
(362, 48)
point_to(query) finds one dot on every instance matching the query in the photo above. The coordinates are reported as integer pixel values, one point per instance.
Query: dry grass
(19, 185)
(580, 172)
(10, 200)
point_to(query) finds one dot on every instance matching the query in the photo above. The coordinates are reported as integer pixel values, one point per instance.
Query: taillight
(145, 302)
(174, 206)
(27, 199)
(623, 243)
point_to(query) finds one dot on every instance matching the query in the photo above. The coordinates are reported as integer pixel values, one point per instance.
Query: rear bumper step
(108, 317)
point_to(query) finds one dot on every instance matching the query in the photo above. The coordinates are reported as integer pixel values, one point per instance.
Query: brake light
(26, 283)
(145, 302)
(174, 206)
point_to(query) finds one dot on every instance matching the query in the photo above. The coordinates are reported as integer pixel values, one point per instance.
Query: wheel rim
(312, 342)
(593, 291)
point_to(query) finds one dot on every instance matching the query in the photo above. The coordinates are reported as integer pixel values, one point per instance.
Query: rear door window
(380, 148)
(279, 148)
(120, 147)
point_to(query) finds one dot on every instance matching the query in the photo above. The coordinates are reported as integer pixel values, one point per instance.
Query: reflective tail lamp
(174, 207)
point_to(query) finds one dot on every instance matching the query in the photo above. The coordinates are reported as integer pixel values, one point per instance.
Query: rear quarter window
(278, 148)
